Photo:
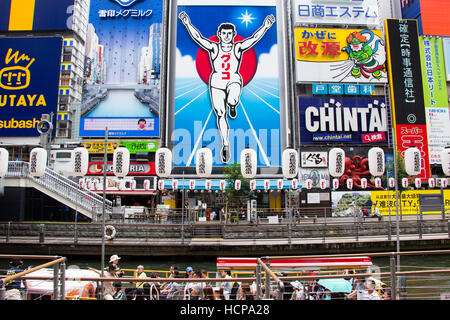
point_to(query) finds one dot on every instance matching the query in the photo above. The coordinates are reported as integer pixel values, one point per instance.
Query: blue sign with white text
(29, 79)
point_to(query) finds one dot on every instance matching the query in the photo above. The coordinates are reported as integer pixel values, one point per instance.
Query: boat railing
(58, 264)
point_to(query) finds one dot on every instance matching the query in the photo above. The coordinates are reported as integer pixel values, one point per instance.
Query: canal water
(120, 103)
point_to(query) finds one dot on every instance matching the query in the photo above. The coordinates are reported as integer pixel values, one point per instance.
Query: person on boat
(137, 293)
(172, 287)
(193, 288)
(109, 290)
(15, 288)
(368, 294)
(189, 272)
(172, 270)
(120, 294)
(245, 292)
(226, 274)
(208, 293)
(114, 259)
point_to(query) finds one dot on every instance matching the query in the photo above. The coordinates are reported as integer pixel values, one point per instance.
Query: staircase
(57, 187)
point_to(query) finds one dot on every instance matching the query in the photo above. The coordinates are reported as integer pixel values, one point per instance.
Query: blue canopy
(336, 285)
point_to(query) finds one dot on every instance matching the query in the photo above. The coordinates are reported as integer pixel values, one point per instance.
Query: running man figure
(225, 82)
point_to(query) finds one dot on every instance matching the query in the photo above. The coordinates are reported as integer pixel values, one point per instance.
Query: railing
(61, 186)
(58, 278)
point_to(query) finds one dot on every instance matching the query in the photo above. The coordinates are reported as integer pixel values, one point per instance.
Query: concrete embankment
(212, 239)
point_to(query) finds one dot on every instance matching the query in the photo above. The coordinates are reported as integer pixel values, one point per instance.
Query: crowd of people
(202, 289)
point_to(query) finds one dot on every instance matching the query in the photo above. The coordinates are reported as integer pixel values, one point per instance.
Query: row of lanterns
(248, 157)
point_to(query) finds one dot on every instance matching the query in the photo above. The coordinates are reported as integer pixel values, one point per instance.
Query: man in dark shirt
(16, 285)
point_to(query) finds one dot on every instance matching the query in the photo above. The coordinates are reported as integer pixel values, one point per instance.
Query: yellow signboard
(324, 45)
(408, 201)
(98, 146)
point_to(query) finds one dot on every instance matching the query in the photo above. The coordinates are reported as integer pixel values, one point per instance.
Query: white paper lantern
(174, 184)
(133, 184)
(163, 162)
(323, 184)
(363, 183)
(207, 184)
(249, 163)
(89, 184)
(376, 161)
(38, 162)
(294, 184)
(418, 183)
(203, 162)
(266, 185)
(378, 182)
(280, 184)
(444, 183)
(349, 184)
(405, 182)
(289, 163)
(80, 162)
(412, 161)
(121, 162)
(222, 184)
(237, 185)
(160, 184)
(445, 161)
(431, 183)
(4, 158)
(122, 185)
(391, 182)
(308, 184)
(335, 184)
(192, 184)
(253, 185)
(146, 184)
(336, 162)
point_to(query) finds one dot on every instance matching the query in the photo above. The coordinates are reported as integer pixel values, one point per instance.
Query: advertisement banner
(314, 159)
(406, 89)
(29, 79)
(98, 146)
(313, 174)
(408, 201)
(36, 15)
(122, 69)
(435, 96)
(226, 86)
(350, 120)
(136, 168)
(446, 44)
(344, 12)
(340, 55)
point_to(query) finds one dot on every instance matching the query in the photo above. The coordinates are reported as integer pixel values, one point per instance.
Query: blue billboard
(122, 69)
(226, 82)
(29, 79)
(343, 120)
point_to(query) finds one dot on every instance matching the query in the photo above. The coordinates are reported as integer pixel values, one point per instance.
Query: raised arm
(194, 33)
(251, 41)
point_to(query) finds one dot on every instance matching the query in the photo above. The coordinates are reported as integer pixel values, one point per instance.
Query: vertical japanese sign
(122, 69)
(226, 86)
(29, 76)
(340, 55)
(408, 107)
(435, 95)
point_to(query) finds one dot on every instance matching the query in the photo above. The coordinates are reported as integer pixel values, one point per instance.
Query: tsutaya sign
(346, 12)
(353, 120)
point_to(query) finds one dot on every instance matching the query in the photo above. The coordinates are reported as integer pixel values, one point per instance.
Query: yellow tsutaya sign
(324, 45)
(22, 15)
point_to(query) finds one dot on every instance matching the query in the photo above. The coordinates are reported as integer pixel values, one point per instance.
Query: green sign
(140, 146)
(433, 72)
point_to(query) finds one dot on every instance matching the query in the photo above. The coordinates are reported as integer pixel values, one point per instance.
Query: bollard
(41, 233)
(8, 231)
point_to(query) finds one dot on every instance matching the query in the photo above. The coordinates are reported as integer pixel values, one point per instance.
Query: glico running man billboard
(226, 88)
(29, 76)
(122, 69)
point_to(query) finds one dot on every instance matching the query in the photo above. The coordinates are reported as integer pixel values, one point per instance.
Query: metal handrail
(60, 185)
